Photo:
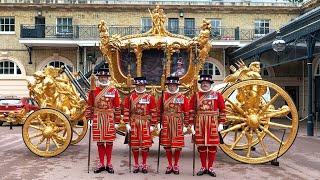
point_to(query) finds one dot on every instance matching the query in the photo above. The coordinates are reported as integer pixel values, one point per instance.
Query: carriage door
(40, 22)
(317, 99)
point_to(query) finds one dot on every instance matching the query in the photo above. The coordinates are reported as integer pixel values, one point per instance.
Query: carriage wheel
(257, 117)
(79, 130)
(43, 132)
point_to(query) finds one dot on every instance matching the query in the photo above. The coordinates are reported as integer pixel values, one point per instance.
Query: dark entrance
(317, 97)
(40, 26)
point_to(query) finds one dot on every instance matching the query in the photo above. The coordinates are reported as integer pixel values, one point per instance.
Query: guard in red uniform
(106, 112)
(210, 118)
(140, 114)
(175, 118)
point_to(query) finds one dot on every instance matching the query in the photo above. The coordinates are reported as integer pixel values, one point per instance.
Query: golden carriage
(257, 110)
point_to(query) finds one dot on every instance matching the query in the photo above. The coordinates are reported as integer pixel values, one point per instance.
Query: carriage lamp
(181, 13)
(278, 46)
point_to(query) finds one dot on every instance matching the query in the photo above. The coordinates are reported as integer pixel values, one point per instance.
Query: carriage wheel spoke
(55, 142)
(236, 107)
(262, 143)
(280, 125)
(249, 137)
(35, 135)
(47, 144)
(36, 127)
(235, 127)
(238, 139)
(74, 131)
(271, 134)
(265, 107)
(41, 141)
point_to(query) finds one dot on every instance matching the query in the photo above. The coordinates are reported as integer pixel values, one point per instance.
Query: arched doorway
(55, 61)
(215, 68)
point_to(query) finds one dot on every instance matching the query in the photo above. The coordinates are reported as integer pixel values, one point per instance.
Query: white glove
(185, 129)
(90, 122)
(116, 126)
(220, 127)
(128, 127)
(192, 130)
(158, 126)
(151, 128)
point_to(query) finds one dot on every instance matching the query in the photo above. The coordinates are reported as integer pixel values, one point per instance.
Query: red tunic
(142, 110)
(175, 116)
(210, 112)
(106, 113)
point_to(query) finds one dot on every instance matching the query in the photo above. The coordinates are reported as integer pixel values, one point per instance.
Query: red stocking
(212, 155)
(169, 155)
(144, 153)
(136, 156)
(203, 156)
(109, 153)
(102, 152)
(177, 156)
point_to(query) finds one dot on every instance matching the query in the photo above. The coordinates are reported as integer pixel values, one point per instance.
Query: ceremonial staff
(161, 106)
(91, 101)
(195, 113)
(128, 136)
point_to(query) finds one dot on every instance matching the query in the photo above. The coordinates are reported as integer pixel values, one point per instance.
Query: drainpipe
(310, 49)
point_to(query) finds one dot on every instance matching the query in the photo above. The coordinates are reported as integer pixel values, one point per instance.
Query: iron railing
(90, 32)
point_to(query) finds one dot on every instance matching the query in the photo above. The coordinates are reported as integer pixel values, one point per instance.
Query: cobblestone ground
(302, 161)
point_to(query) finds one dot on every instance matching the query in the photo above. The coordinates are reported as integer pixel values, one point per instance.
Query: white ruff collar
(170, 92)
(140, 92)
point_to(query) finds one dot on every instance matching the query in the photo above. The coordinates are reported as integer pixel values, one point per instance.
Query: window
(216, 27)
(189, 27)
(9, 67)
(210, 68)
(6, 24)
(64, 25)
(173, 25)
(261, 27)
(146, 24)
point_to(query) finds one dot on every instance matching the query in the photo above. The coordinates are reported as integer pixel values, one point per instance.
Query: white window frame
(67, 26)
(61, 63)
(212, 22)
(4, 25)
(213, 69)
(260, 22)
(15, 68)
(173, 29)
(146, 22)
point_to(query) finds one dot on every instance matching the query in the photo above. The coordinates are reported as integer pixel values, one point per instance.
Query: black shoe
(176, 170)
(201, 172)
(99, 170)
(144, 169)
(211, 172)
(135, 169)
(169, 170)
(109, 169)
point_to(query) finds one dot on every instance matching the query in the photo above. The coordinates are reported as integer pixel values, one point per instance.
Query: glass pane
(59, 21)
(6, 63)
(6, 28)
(18, 70)
(11, 27)
(1, 20)
(217, 72)
(70, 22)
(1, 71)
(11, 71)
(11, 64)
(1, 65)
(12, 21)
(2, 28)
(6, 71)
(6, 20)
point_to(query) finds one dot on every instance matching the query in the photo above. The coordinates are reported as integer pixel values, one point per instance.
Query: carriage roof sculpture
(257, 110)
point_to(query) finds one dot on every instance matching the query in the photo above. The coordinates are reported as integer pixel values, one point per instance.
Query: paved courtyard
(302, 161)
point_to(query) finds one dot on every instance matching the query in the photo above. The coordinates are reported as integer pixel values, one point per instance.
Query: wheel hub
(48, 132)
(253, 121)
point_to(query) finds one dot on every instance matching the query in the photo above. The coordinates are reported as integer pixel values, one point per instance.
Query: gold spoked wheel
(43, 132)
(79, 130)
(257, 114)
